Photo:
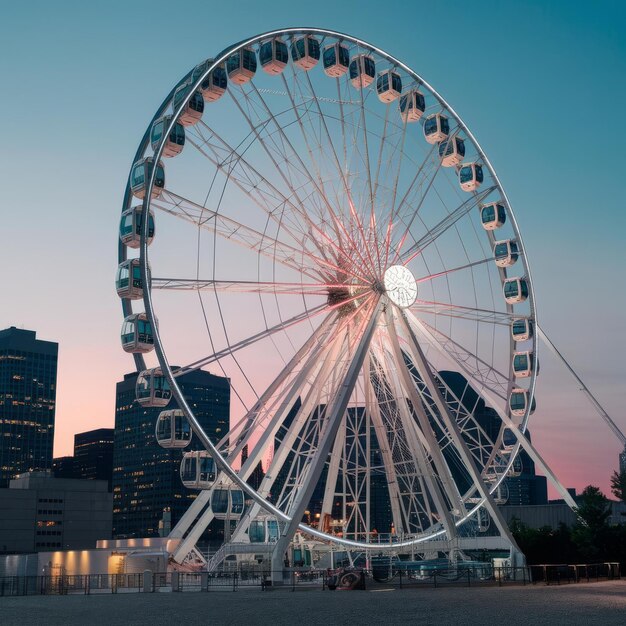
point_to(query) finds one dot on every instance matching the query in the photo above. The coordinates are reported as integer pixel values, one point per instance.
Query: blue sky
(539, 83)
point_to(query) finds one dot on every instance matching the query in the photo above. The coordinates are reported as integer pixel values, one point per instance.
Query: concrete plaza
(586, 603)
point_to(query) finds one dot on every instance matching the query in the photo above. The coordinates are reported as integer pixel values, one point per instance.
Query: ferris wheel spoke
(413, 215)
(354, 218)
(249, 341)
(324, 239)
(452, 270)
(265, 195)
(298, 259)
(289, 381)
(489, 316)
(243, 286)
(483, 373)
(440, 228)
(291, 438)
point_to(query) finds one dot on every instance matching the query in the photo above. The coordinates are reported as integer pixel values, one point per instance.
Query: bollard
(204, 581)
(175, 581)
(435, 579)
(147, 581)
(469, 582)
(400, 572)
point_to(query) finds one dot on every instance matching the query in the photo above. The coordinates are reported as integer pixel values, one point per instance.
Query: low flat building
(555, 513)
(39, 512)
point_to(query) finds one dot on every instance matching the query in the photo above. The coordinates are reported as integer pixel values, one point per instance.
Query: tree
(618, 485)
(590, 532)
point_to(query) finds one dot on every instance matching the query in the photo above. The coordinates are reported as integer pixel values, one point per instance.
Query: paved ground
(593, 603)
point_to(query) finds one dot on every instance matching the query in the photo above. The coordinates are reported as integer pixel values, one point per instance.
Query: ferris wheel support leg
(466, 456)
(290, 437)
(333, 421)
(407, 386)
(383, 442)
(490, 398)
(255, 456)
(596, 405)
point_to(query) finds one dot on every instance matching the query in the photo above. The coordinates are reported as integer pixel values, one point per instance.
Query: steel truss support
(522, 440)
(313, 347)
(333, 421)
(426, 373)
(449, 493)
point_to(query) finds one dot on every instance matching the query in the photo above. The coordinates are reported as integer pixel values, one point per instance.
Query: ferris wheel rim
(164, 362)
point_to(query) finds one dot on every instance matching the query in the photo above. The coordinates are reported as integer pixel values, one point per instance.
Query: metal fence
(303, 579)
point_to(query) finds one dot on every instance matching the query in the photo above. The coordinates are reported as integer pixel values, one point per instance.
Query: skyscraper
(28, 375)
(622, 461)
(146, 480)
(93, 454)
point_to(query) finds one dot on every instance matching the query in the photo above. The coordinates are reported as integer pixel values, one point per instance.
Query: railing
(301, 579)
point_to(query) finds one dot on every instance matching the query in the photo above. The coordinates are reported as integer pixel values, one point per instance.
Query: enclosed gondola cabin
(305, 52)
(388, 86)
(483, 521)
(508, 440)
(175, 140)
(227, 503)
(336, 60)
(172, 430)
(505, 252)
(523, 364)
(273, 56)
(128, 281)
(214, 85)
(152, 388)
(140, 174)
(198, 470)
(263, 530)
(501, 494)
(518, 402)
(492, 215)
(515, 290)
(362, 71)
(412, 106)
(516, 468)
(191, 113)
(451, 151)
(137, 336)
(436, 128)
(241, 66)
(471, 176)
(130, 227)
(521, 329)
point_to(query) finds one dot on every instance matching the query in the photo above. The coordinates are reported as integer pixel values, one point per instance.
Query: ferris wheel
(316, 223)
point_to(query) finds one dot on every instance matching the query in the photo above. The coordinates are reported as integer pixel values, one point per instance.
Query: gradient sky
(539, 83)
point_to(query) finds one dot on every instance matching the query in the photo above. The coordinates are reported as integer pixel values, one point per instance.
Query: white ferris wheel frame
(230, 473)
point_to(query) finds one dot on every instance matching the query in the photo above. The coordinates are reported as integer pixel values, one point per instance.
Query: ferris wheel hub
(400, 286)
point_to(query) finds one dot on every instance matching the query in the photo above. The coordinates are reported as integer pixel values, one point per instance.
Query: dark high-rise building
(256, 477)
(93, 454)
(622, 461)
(28, 376)
(63, 467)
(526, 488)
(146, 480)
